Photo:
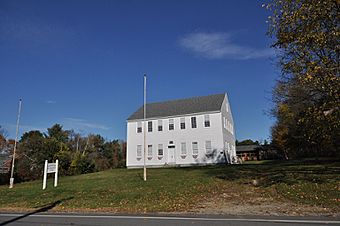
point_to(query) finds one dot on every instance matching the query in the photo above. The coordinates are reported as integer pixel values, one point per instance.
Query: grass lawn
(179, 189)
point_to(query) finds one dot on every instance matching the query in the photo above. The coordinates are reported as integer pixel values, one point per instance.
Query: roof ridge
(182, 99)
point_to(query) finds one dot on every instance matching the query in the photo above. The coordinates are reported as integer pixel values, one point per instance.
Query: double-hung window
(208, 148)
(139, 151)
(160, 125)
(150, 150)
(183, 149)
(139, 127)
(182, 123)
(160, 150)
(206, 121)
(171, 124)
(150, 126)
(193, 122)
(195, 148)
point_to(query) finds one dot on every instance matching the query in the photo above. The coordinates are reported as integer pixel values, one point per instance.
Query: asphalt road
(129, 220)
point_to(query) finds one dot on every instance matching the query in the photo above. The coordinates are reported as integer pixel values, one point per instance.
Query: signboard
(50, 168)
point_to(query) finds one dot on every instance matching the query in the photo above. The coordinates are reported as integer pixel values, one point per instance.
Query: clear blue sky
(81, 63)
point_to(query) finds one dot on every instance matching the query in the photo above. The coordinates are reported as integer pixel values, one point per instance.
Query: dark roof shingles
(180, 107)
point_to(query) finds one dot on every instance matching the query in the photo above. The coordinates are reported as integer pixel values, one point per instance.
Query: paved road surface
(86, 220)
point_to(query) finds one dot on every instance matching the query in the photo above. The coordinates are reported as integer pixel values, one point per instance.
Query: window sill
(160, 157)
(195, 156)
(139, 158)
(183, 156)
(149, 158)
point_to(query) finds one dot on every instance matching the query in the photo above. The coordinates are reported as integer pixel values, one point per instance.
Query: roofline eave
(174, 116)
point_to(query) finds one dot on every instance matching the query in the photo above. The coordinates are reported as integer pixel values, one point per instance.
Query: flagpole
(11, 180)
(144, 126)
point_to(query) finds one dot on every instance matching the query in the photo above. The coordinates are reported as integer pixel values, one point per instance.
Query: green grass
(177, 189)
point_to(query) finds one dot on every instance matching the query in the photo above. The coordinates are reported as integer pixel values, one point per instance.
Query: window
(150, 126)
(171, 124)
(160, 125)
(160, 150)
(182, 123)
(139, 127)
(224, 126)
(227, 107)
(150, 150)
(183, 148)
(139, 151)
(206, 121)
(193, 122)
(208, 148)
(194, 148)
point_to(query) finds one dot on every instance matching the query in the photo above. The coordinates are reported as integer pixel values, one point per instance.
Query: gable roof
(181, 107)
(246, 148)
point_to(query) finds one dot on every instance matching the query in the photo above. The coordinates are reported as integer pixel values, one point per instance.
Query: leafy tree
(31, 155)
(306, 97)
(58, 133)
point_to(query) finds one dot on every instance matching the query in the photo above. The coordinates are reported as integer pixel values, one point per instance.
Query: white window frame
(194, 148)
(171, 122)
(150, 129)
(193, 121)
(206, 121)
(139, 126)
(183, 148)
(160, 125)
(160, 148)
(139, 151)
(150, 151)
(182, 122)
(208, 147)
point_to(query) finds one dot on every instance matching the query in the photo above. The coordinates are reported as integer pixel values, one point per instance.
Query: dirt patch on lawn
(251, 200)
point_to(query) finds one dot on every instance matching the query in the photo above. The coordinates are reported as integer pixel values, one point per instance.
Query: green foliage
(306, 97)
(58, 133)
(247, 142)
(82, 164)
(76, 154)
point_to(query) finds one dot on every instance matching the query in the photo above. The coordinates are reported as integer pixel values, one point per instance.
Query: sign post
(50, 168)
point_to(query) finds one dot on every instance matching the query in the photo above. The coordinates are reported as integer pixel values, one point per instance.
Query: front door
(171, 155)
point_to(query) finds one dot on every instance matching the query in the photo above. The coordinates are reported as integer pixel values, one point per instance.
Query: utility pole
(144, 126)
(11, 180)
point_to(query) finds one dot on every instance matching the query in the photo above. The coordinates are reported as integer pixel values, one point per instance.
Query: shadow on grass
(287, 172)
(41, 209)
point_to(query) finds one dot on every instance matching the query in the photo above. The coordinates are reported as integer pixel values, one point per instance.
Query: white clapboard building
(192, 131)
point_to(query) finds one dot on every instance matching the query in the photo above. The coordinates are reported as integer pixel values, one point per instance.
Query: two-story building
(192, 131)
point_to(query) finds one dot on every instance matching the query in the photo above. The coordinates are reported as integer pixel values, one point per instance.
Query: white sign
(50, 168)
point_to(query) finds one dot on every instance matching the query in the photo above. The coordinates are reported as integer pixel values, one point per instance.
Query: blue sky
(81, 63)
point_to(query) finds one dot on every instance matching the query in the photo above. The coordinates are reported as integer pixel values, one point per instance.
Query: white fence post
(56, 173)
(45, 175)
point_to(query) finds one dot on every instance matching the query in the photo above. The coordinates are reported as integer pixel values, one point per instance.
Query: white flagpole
(144, 126)
(11, 180)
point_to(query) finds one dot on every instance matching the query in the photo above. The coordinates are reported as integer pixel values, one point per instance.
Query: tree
(31, 156)
(306, 97)
(57, 132)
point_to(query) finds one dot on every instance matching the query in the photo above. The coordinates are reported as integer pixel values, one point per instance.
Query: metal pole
(144, 126)
(11, 180)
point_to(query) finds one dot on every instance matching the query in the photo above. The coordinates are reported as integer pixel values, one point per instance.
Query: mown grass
(178, 189)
